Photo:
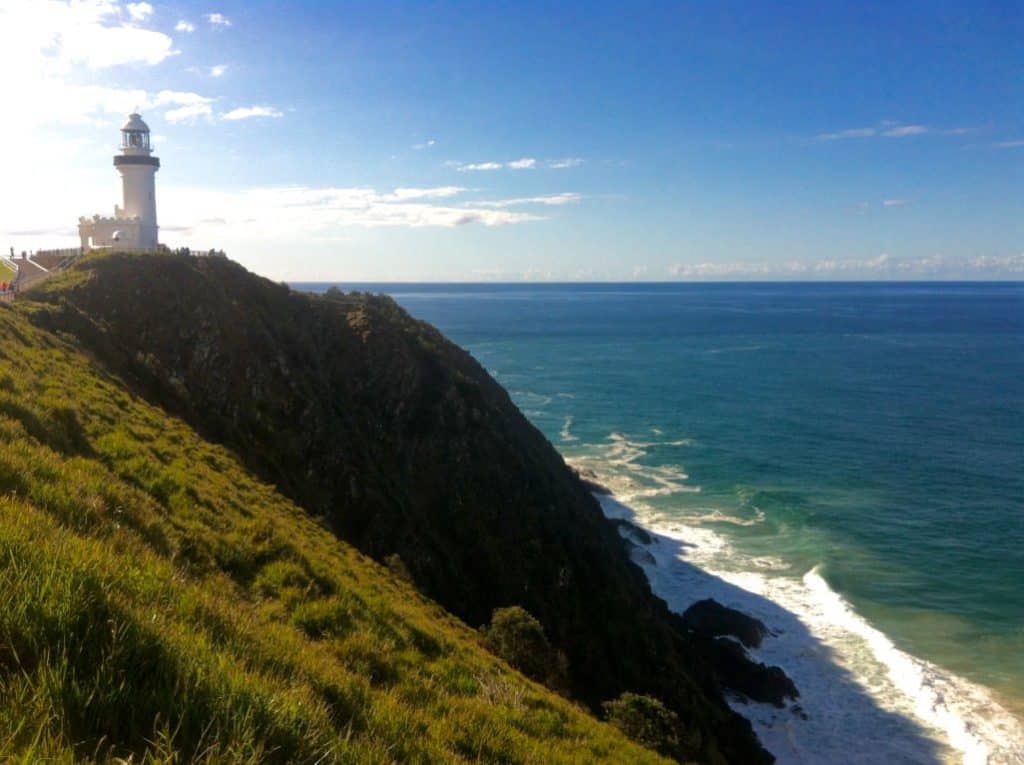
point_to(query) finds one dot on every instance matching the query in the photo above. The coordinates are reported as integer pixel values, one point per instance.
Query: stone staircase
(37, 268)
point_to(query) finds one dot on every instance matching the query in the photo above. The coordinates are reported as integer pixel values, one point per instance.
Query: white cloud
(425, 145)
(904, 130)
(249, 112)
(52, 38)
(886, 129)
(53, 51)
(895, 202)
(437, 192)
(844, 134)
(218, 19)
(218, 70)
(206, 217)
(189, 113)
(561, 164)
(188, 106)
(302, 212)
(1016, 144)
(550, 200)
(525, 163)
(139, 11)
(185, 26)
(481, 166)
(177, 98)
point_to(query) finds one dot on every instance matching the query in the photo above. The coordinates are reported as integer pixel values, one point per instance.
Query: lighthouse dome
(135, 123)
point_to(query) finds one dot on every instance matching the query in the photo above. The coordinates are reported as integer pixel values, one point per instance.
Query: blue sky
(570, 141)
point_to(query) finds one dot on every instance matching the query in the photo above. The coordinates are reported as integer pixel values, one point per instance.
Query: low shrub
(518, 638)
(650, 723)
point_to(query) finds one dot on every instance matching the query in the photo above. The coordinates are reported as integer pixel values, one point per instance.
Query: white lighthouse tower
(133, 226)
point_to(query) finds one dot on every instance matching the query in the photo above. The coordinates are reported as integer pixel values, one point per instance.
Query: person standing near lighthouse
(134, 225)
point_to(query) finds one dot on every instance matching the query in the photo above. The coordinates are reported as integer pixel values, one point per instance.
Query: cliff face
(402, 444)
(160, 604)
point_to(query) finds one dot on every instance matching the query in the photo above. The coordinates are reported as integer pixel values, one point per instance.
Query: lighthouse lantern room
(133, 226)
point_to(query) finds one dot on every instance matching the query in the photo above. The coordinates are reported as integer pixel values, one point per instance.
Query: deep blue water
(873, 430)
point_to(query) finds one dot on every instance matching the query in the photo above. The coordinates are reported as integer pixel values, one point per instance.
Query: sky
(586, 141)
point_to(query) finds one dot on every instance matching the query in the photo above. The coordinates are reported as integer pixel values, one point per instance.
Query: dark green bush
(649, 722)
(519, 639)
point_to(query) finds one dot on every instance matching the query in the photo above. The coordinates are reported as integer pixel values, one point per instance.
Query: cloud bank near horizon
(881, 267)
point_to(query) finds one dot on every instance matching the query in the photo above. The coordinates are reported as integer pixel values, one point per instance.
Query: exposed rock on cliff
(711, 619)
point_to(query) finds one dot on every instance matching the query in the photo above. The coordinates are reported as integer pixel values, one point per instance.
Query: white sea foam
(529, 398)
(865, 700)
(566, 434)
(714, 515)
(618, 460)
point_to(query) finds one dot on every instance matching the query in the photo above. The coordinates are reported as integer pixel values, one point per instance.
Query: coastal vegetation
(159, 604)
(649, 722)
(267, 430)
(519, 639)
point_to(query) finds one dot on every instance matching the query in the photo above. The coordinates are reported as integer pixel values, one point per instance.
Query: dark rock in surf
(758, 682)
(710, 618)
(632, 532)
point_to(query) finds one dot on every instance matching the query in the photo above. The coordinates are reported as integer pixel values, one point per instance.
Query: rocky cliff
(402, 444)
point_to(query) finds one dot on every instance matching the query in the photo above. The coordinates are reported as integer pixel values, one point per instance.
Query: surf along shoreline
(862, 700)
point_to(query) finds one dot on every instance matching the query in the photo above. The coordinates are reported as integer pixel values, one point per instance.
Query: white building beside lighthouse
(133, 226)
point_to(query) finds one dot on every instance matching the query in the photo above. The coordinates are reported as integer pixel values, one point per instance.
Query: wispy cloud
(304, 211)
(1014, 144)
(895, 202)
(425, 145)
(850, 133)
(480, 166)
(250, 112)
(189, 113)
(885, 129)
(188, 106)
(184, 26)
(562, 164)
(139, 11)
(879, 267)
(218, 19)
(218, 70)
(904, 130)
(525, 163)
(551, 200)
(435, 192)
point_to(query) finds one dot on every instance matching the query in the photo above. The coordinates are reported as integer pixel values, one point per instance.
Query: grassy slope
(156, 600)
(404, 445)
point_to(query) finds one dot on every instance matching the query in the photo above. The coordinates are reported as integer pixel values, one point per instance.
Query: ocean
(843, 461)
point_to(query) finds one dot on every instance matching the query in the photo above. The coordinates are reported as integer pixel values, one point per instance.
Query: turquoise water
(852, 452)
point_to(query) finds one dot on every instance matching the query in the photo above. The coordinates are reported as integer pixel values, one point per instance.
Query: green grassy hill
(404, 445)
(159, 603)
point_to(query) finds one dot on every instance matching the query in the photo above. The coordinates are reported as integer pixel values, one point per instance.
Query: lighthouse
(133, 226)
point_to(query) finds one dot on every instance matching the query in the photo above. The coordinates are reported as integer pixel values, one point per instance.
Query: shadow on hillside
(835, 719)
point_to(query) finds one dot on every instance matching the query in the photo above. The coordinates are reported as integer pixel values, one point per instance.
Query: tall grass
(159, 605)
